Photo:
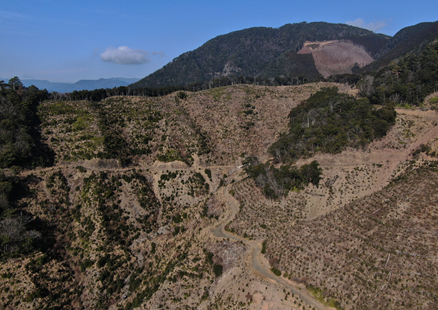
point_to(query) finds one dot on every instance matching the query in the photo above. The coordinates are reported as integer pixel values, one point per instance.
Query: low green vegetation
(320, 296)
(276, 271)
(263, 251)
(181, 95)
(276, 182)
(217, 269)
(434, 103)
(208, 173)
(434, 100)
(169, 155)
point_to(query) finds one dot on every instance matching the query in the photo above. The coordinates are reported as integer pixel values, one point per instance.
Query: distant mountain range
(302, 49)
(79, 85)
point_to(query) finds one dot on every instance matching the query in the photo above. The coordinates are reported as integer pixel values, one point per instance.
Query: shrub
(263, 247)
(217, 269)
(276, 271)
(81, 169)
(208, 173)
(181, 95)
(209, 258)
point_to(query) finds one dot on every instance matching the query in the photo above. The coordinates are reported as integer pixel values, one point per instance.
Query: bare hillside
(335, 57)
(148, 206)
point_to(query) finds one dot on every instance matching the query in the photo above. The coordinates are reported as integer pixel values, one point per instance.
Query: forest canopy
(407, 81)
(20, 143)
(329, 122)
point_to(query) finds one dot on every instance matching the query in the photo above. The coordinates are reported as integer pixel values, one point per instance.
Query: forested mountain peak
(258, 52)
(410, 39)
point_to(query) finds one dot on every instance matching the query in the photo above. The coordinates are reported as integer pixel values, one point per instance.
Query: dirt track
(255, 261)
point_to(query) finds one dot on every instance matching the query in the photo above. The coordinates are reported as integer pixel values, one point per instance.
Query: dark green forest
(20, 141)
(410, 39)
(407, 81)
(258, 52)
(20, 147)
(20, 232)
(277, 182)
(329, 122)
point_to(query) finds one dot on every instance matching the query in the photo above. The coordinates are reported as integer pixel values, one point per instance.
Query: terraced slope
(349, 240)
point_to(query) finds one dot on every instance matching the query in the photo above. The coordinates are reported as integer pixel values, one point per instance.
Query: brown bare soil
(334, 57)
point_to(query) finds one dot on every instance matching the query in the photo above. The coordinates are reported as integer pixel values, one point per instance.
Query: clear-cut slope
(335, 57)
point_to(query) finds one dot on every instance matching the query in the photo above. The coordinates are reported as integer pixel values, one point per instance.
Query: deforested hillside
(378, 251)
(124, 216)
(238, 197)
(354, 240)
(219, 125)
(335, 57)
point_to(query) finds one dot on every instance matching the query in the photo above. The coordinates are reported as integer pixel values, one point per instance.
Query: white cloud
(125, 56)
(370, 26)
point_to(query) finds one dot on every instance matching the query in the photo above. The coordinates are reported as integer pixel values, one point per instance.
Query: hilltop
(261, 52)
(293, 51)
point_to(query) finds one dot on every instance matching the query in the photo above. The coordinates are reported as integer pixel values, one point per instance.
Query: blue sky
(66, 40)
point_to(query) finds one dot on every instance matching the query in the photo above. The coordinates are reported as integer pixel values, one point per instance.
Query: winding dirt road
(256, 263)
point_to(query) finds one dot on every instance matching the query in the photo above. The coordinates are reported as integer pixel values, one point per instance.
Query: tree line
(407, 81)
(101, 94)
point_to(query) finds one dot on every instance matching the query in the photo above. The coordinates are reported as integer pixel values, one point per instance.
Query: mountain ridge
(250, 51)
(273, 52)
(410, 39)
(62, 87)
